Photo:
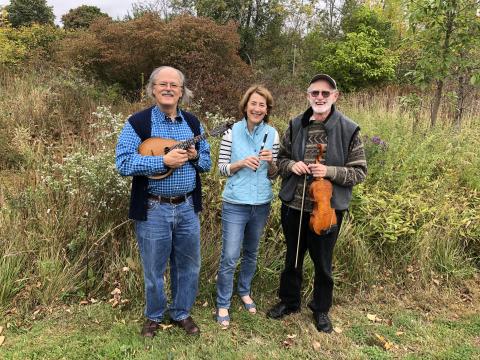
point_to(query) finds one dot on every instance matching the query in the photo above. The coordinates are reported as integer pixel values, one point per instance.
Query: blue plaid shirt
(182, 180)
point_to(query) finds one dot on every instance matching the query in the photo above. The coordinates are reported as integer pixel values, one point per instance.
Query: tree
(255, 19)
(162, 8)
(119, 52)
(444, 35)
(27, 12)
(81, 17)
(360, 55)
(165, 9)
(359, 60)
(361, 18)
(3, 17)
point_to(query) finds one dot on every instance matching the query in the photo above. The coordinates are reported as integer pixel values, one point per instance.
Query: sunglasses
(325, 93)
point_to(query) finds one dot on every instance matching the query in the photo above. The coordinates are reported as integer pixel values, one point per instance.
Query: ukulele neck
(187, 143)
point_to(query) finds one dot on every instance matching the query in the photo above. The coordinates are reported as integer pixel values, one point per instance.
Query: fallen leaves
(376, 319)
(12, 311)
(289, 342)
(466, 295)
(383, 342)
(117, 298)
(36, 312)
(88, 301)
(337, 330)
(316, 346)
(2, 340)
(116, 291)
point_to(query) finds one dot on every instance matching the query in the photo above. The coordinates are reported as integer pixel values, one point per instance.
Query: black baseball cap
(325, 77)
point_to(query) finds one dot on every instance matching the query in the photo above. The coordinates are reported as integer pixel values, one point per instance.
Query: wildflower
(377, 141)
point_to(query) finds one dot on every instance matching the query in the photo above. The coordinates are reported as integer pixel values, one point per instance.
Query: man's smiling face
(167, 88)
(321, 104)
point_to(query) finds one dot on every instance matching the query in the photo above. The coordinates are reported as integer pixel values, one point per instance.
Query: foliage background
(66, 93)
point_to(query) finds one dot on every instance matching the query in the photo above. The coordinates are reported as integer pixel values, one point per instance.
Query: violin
(323, 216)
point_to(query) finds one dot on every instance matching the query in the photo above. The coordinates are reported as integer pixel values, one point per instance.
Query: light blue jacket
(247, 186)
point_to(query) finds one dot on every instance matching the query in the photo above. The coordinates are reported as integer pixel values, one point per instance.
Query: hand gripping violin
(323, 217)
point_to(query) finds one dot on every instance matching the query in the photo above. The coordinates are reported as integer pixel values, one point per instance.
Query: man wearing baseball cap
(344, 166)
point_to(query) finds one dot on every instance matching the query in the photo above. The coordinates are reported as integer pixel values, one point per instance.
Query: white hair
(187, 93)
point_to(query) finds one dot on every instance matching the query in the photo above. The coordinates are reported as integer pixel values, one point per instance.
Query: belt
(170, 200)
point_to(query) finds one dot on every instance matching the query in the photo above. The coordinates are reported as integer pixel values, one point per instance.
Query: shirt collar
(328, 117)
(159, 114)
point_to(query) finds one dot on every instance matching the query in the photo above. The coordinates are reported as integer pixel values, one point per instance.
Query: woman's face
(256, 108)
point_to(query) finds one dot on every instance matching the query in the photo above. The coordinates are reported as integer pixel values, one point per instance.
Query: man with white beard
(344, 166)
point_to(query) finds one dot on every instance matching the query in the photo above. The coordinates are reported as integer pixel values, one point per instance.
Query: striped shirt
(182, 180)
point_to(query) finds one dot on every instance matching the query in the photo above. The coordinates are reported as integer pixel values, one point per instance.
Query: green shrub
(34, 43)
(360, 60)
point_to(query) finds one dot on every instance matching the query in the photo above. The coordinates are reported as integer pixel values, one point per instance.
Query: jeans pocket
(190, 201)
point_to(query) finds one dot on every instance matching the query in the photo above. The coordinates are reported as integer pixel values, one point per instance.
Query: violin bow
(301, 218)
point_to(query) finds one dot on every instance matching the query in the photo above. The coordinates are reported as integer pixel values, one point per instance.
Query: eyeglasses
(315, 93)
(165, 85)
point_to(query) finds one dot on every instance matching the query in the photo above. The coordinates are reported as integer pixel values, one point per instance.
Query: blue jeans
(170, 232)
(242, 225)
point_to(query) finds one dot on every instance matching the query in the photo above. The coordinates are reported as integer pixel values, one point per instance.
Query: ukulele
(157, 146)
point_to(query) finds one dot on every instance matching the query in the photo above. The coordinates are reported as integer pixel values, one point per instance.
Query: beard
(322, 109)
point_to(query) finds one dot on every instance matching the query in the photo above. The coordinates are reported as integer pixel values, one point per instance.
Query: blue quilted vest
(247, 186)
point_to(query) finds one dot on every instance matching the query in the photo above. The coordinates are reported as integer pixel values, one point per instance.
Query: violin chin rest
(329, 231)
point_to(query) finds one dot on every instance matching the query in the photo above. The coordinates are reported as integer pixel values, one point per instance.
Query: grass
(436, 324)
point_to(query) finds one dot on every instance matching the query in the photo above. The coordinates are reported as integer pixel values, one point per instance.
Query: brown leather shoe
(149, 328)
(188, 325)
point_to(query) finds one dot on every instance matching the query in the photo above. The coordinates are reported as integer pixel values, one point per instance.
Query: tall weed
(64, 228)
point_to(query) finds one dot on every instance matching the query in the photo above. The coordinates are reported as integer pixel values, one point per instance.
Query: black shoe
(322, 322)
(188, 325)
(280, 310)
(150, 328)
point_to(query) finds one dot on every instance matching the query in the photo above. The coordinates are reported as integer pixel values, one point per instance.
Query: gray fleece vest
(340, 131)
